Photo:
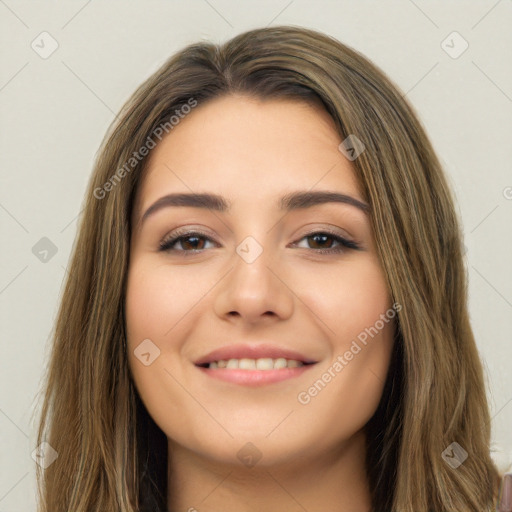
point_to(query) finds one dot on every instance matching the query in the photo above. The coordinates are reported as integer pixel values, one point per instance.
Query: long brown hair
(111, 455)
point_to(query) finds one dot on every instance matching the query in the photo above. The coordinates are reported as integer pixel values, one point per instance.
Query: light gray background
(55, 111)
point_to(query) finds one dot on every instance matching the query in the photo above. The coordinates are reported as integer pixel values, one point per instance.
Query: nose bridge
(257, 243)
(252, 263)
(251, 288)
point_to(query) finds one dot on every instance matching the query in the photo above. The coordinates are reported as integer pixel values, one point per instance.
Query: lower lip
(255, 377)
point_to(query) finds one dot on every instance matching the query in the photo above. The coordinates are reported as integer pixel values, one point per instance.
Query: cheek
(356, 307)
(156, 300)
(154, 304)
(157, 297)
(346, 298)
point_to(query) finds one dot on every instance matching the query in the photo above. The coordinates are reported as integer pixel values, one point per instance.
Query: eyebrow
(293, 201)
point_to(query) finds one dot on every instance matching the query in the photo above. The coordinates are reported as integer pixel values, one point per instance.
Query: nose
(254, 290)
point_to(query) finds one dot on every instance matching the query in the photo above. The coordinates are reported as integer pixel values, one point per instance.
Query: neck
(334, 481)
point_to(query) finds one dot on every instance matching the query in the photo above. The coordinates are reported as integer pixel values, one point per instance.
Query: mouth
(254, 377)
(263, 364)
(254, 365)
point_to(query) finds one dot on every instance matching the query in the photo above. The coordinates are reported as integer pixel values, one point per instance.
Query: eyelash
(166, 244)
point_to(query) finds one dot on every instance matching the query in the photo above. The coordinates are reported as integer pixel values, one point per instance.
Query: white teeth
(247, 364)
(265, 363)
(280, 363)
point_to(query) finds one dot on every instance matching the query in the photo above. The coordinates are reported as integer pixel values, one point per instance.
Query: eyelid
(327, 228)
(308, 230)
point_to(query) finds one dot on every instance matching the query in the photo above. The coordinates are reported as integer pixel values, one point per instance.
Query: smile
(254, 372)
(254, 364)
(265, 363)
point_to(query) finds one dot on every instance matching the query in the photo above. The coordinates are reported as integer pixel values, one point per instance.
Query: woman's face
(259, 282)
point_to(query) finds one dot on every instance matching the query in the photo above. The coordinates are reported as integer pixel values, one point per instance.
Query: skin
(252, 152)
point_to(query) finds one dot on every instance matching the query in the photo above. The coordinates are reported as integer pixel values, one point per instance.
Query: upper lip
(252, 351)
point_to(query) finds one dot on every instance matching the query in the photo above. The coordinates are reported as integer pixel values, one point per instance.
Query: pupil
(192, 238)
(321, 236)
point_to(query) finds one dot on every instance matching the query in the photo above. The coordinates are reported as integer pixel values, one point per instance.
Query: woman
(210, 355)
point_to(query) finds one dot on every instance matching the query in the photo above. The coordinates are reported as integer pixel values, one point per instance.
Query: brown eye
(320, 238)
(194, 241)
(190, 242)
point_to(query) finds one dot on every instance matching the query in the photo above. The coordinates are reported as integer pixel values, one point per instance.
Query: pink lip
(252, 351)
(254, 377)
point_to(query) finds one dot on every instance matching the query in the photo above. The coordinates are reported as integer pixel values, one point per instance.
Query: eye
(321, 237)
(191, 242)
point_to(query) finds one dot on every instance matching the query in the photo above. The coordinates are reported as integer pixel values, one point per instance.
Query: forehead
(249, 150)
